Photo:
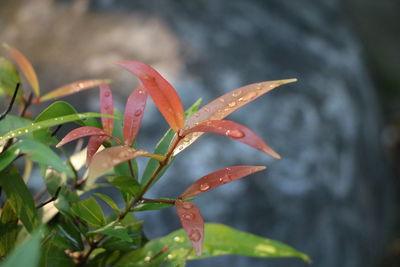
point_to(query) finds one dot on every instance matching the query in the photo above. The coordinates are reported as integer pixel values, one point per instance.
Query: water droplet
(236, 93)
(204, 187)
(80, 85)
(234, 133)
(26, 131)
(187, 205)
(195, 235)
(141, 91)
(13, 134)
(170, 257)
(138, 113)
(225, 179)
(188, 216)
(147, 258)
(221, 100)
(206, 109)
(178, 239)
(107, 94)
(232, 104)
(106, 107)
(250, 96)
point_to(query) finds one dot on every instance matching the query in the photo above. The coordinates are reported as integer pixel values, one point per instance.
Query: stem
(50, 199)
(131, 169)
(27, 104)
(158, 200)
(10, 105)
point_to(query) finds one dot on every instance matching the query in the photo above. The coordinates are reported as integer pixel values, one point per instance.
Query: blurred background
(334, 193)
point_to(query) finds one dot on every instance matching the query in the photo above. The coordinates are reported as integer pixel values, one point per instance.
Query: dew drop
(26, 131)
(13, 134)
(141, 91)
(107, 94)
(236, 93)
(147, 259)
(232, 104)
(250, 96)
(177, 239)
(195, 235)
(80, 85)
(188, 216)
(234, 133)
(204, 187)
(187, 205)
(225, 179)
(221, 100)
(138, 113)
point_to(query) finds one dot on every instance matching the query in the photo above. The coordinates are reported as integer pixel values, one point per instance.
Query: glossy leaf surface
(224, 105)
(80, 133)
(150, 205)
(70, 88)
(115, 229)
(110, 157)
(109, 201)
(8, 228)
(46, 124)
(218, 178)
(106, 107)
(93, 146)
(161, 91)
(26, 68)
(134, 110)
(192, 223)
(89, 211)
(235, 131)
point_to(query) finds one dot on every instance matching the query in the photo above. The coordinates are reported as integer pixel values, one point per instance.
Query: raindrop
(225, 179)
(80, 85)
(221, 100)
(107, 94)
(187, 205)
(234, 133)
(178, 239)
(236, 93)
(204, 187)
(188, 216)
(26, 131)
(232, 104)
(147, 258)
(141, 91)
(250, 96)
(138, 113)
(195, 235)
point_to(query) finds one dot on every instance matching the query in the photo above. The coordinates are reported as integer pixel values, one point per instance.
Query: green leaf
(109, 201)
(8, 229)
(8, 78)
(46, 124)
(162, 149)
(53, 180)
(115, 229)
(89, 211)
(26, 254)
(149, 205)
(11, 122)
(8, 156)
(65, 200)
(68, 236)
(219, 240)
(42, 154)
(125, 184)
(54, 256)
(115, 243)
(19, 197)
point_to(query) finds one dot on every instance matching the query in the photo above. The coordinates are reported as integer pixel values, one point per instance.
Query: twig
(26, 105)
(10, 105)
(50, 199)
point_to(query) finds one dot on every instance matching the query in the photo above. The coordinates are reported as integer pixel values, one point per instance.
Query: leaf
(218, 178)
(219, 240)
(89, 211)
(114, 243)
(26, 254)
(8, 79)
(53, 180)
(53, 255)
(69, 234)
(110, 157)
(69, 89)
(106, 107)
(80, 133)
(162, 148)
(134, 110)
(8, 156)
(224, 105)
(109, 201)
(46, 124)
(161, 91)
(19, 197)
(93, 146)
(26, 68)
(150, 205)
(235, 131)
(8, 229)
(192, 223)
(11, 122)
(126, 184)
(115, 229)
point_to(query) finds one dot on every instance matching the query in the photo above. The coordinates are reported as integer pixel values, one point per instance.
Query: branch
(4, 114)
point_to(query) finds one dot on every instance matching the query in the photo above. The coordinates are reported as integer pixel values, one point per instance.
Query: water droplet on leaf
(138, 113)
(195, 235)
(107, 94)
(188, 216)
(234, 133)
(204, 187)
(187, 205)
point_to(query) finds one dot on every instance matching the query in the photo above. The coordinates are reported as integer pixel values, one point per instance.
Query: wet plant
(64, 223)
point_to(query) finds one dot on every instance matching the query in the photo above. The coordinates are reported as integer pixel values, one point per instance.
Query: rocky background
(334, 193)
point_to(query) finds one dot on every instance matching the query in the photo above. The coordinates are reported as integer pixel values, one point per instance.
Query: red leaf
(112, 156)
(218, 178)
(161, 91)
(82, 132)
(69, 89)
(224, 105)
(133, 116)
(192, 223)
(92, 147)
(106, 107)
(235, 131)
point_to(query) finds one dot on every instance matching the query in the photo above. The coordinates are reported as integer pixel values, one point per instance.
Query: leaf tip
(287, 81)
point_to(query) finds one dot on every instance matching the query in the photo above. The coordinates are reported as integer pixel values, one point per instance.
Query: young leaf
(225, 105)
(106, 107)
(19, 196)
(126, 184)
(69, 89)
(133, 115)
(109, 201)
(26, 68)
(8, 156)
(235, 131)
(218, 178)
(109, 157)
(46, 124)
(192, 223)
(93, 145)
(115, 229)
(82, 132)
(89, 211)
(150, 205)
(161, 91)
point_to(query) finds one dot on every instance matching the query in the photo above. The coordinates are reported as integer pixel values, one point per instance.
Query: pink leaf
(235, 131)
(161, 91)
(82, 132)
(133, 116)
(112, 156)
(93, 145)
(192, 223)
(224, 105)
(218, 178)
(106, 107)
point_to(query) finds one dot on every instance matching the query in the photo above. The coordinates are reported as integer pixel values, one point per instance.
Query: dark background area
(334, 193)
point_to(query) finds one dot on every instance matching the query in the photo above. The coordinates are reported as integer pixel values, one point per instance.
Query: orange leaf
(235, 131)
(26, 68)
(112, 156)
(218, 178)
(92, 147)
(225, 105)
(161, 91)
(133, 115)
(106, 107)
(69, 89)
(192, 223)
(82, 132)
